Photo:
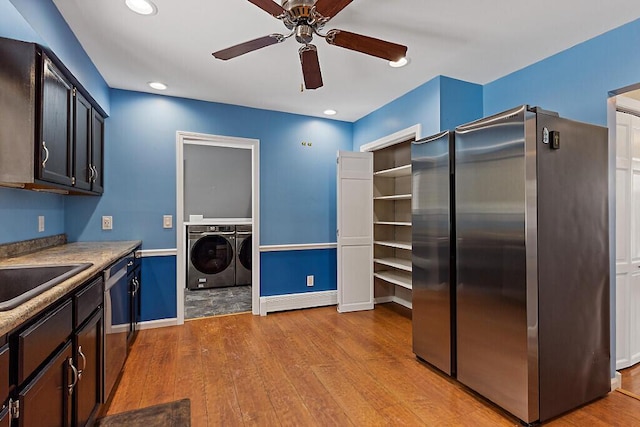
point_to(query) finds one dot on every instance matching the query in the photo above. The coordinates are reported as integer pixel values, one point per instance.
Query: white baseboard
(160, 323)
(616, 382)
(149, 324)
(297, 301)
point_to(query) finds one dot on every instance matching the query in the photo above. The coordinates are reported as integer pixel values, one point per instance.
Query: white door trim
(183, 138)
(389, 140)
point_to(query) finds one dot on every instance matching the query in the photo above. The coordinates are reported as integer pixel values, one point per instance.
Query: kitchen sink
(19, 284)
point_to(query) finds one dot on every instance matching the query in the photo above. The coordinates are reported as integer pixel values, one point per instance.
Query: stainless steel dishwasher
(117, 317)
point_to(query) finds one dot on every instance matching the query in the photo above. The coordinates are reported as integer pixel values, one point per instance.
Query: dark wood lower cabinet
(88, 356)
(46, 401)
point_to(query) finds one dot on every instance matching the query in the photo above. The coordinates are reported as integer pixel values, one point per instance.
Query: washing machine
(211, 259)
(244, 244)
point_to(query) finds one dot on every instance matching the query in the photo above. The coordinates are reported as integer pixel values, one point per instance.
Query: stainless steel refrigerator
(433, 281)
(532, 256)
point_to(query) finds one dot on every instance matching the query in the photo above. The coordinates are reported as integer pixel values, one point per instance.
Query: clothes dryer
(244, 244)
(211, 260)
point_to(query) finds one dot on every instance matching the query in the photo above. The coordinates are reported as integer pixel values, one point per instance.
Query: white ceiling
(472, 40)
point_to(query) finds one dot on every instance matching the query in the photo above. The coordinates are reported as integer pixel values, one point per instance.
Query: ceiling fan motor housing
(298, 9)
(304, 33)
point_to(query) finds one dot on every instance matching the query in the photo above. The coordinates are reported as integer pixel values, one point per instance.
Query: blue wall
(19, 211)
(575, 82)
(441, 103)
(297, 183)
(294, 267)
(297, 186)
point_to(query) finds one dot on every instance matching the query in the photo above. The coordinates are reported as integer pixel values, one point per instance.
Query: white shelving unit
(392, 223)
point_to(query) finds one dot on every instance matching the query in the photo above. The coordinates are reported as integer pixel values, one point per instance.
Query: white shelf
(394, 172)
(393, 244)
(396, 277)
(394, 197)
(399, 263)
(406, 224)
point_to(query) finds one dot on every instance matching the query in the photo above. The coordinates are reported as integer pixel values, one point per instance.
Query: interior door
(627, 240)
(355, 231)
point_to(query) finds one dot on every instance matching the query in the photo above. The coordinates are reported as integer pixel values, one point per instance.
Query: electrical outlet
(40, 223)
(107, 223)
(167, 221)
(310, 280)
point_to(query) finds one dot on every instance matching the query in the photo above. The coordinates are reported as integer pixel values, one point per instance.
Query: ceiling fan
(304, 18)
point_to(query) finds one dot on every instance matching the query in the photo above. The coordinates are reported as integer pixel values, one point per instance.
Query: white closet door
(355, 231)
(627, 240)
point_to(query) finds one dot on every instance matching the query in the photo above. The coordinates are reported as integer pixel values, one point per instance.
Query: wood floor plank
(253, 399)
(222, 403)
(315, 397)
(162, 368)
(631, 379)
(190, 378)
(289, 407)
(315, 367)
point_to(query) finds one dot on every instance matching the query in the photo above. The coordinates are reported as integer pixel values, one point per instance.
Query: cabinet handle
(90, 173)
(84, 362)
(95, 173)
(130, 263)
(75, 376)
(46, 154)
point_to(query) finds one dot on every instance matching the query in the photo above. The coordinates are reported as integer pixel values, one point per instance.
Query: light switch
(40, 223)
(167, 221)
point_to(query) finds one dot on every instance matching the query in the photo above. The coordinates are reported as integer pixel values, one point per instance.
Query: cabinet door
(355, 231)
(88, 357)
(97, 151)
(45, 401)
(54, 160)
(82, 170)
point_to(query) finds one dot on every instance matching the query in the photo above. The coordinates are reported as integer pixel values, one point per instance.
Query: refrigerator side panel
(431, 252)
(573, 266)
(492, 332)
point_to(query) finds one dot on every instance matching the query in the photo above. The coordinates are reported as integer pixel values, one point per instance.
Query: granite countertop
(100, 254)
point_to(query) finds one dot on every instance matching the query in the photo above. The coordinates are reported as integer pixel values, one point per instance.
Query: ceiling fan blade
(269, 6)
(330, 8)
(369, 45)
(310, 66)
(250, 46)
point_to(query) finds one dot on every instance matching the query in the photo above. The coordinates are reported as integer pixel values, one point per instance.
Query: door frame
(633, 107)
(187, 138)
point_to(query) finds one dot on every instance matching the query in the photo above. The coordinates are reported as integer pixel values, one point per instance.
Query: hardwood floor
(631, 379)
(314, 368)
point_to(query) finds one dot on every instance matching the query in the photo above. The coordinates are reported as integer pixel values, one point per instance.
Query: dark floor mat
(172, 414)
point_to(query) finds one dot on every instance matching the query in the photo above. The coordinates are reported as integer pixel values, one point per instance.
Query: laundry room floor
(216, 301)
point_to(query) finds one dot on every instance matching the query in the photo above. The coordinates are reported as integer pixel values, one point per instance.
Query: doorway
(627, 239)
(206, 218)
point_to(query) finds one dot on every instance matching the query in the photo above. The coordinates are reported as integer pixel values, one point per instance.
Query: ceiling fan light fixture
(330, 112)
(142, 7)
(399, 63)
(157, 85)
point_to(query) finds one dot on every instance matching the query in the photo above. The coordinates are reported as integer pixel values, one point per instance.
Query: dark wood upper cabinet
(97, 152)
(82, 171)
(56, 136)
(51, 130)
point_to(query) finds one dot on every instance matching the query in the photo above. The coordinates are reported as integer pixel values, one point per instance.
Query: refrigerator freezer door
(573, 255)
(431, 253)
(496, 340)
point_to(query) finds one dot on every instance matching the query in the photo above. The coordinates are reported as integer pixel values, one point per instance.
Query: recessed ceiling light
(330, 112)
(143, 7)
(399, 63)
(158, 85)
